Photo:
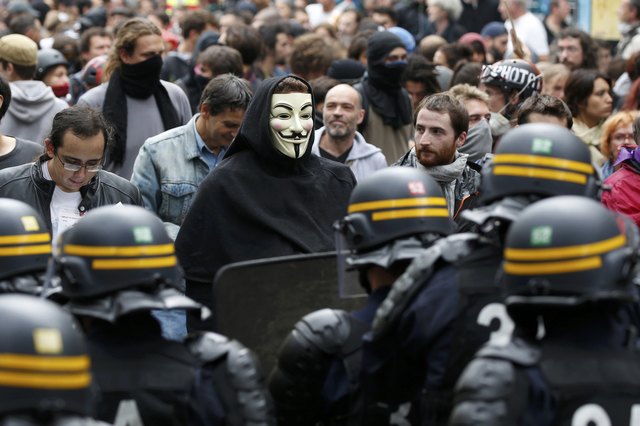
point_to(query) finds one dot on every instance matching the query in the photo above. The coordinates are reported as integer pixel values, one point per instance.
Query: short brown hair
(196, 20)
(446, 103)
(311, 54)
(85, 38)
(246, 40)
(221, 60)
(226, 92)
(291, 85)
(467, 92)
(545, 105)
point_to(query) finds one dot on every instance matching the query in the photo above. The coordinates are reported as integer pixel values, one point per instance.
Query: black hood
(379, 46)
(255, 133)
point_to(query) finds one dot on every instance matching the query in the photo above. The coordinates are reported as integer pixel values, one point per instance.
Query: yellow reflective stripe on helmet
(45, 381)
(25, 239)
(409, 213)
(539, 160)
(399, 202)
(25, 250)
(155, 250)
(566, 252)
(547, 268)
(533, 172)
(45, 363)
(157, 262)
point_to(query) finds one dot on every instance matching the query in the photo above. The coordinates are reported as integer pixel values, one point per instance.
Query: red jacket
(624, 196)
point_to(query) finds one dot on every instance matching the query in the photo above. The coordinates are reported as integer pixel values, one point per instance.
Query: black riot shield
(258, 302)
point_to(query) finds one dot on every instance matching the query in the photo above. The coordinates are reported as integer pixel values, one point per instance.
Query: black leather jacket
(26, 183)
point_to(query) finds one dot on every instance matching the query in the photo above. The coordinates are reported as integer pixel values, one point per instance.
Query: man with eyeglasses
(67, 180)
(576, 49)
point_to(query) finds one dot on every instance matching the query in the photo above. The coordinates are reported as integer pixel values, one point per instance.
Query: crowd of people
(472, 162)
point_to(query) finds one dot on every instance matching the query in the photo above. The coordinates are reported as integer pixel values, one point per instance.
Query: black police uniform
(448, 317)
(574, 361)
(117, 265)
(207, 381)
(394, 215)
(327, 344)
(447, 304)
(141, 374)
(566, 379)
(64, 420)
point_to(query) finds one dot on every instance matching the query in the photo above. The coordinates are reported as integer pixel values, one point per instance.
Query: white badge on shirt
(67, 218)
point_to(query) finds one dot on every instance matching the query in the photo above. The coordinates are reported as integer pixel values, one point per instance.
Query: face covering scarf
(139, 81)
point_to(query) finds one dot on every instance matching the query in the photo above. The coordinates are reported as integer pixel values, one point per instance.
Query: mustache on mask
(296, 135)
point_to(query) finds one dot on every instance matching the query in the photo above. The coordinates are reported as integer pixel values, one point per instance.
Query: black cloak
(259, 203)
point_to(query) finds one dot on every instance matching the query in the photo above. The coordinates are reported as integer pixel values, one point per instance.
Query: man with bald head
(339, 139)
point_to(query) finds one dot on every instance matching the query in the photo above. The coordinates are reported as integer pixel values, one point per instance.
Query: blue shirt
(208, 156)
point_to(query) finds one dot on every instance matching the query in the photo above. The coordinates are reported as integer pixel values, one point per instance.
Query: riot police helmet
(122, 254)
(393, 204)
(43, 358)
(566, 251)
(25, 243)
(539, 160)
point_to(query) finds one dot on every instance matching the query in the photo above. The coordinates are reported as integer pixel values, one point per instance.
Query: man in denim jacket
(171, 165)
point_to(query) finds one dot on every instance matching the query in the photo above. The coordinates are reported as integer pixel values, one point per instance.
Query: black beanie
(346, 70)
(380, 44)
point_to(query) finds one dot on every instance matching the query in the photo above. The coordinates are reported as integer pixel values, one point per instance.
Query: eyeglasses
(570, 49)
(621, 137)
(90, 166)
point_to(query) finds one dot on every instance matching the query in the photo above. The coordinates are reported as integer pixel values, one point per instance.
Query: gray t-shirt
(143, 119)
(24, 152)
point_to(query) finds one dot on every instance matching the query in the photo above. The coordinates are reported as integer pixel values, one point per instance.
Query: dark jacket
(132, 364)
(193, 90)
(26, 183)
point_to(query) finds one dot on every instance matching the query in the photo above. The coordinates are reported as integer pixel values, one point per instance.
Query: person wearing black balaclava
(388, 123)
(136, 102)
(269, 197)
(194, 82)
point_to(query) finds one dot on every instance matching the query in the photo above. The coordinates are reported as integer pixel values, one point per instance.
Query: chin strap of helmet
(526, 86)
(341, 262)
(48, 279)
